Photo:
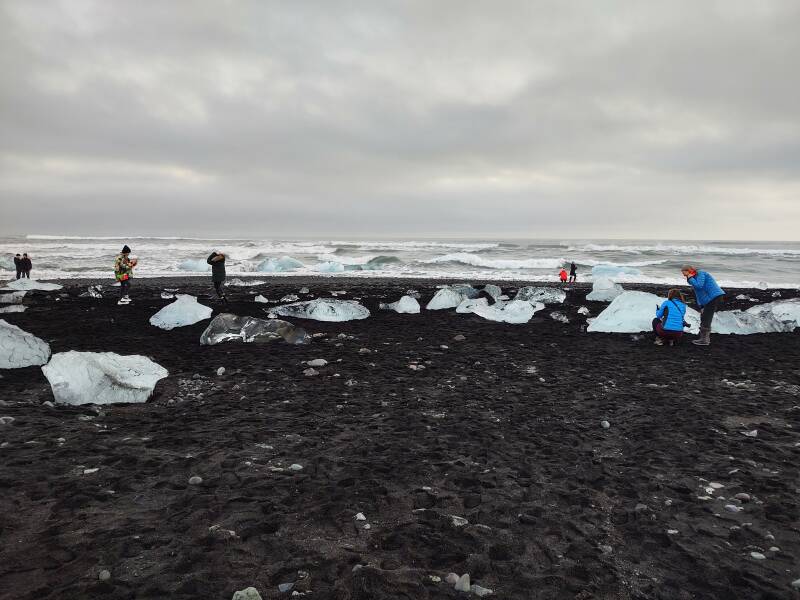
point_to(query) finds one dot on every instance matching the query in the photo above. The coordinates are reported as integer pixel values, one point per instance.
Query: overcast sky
(538, 119)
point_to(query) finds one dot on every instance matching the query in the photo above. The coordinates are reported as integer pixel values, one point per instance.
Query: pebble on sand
(758, 556)
(285, 587)
(451, 578)
(458, 521)
(459, 338)
(195, 480)
(250, 593)
(104, 575)
(295, 467)
(360, 517)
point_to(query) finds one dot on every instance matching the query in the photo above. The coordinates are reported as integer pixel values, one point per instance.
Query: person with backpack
(669, 322)
(123, 272)
(709, 297)
(217, 262)
(27, 265)
(18, 264)
(573, 273)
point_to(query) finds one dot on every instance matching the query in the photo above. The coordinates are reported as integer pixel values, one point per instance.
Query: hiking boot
(659, 342)
(704, 339)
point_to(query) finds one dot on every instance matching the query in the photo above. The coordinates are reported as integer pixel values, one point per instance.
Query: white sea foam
(497, 263)
(684, 249)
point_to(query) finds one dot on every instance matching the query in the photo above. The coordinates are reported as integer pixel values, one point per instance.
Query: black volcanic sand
(502, 429)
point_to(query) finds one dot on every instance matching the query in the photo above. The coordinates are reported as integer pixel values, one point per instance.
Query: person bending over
(27, 265)
(217, 262)
(709, 298)
(669, 322)
(562, 275)
(123, 272)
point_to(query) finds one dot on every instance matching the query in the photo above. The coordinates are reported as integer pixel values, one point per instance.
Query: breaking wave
(475, 260)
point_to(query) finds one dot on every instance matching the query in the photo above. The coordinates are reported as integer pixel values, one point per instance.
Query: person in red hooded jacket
(562, 275)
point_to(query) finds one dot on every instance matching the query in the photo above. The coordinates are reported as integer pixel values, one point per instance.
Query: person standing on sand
(669, 322)
(573, 273)
(217, 262)
(562, 275)
(123, 271)
(18, 264)
(709, 296)
(27, 265)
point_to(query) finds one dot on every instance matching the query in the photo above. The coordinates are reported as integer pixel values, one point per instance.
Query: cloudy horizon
(506, 120)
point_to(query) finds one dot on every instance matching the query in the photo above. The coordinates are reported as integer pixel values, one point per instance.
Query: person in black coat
(217, 262)
(573, 273)
(27, 265)
(18, 264)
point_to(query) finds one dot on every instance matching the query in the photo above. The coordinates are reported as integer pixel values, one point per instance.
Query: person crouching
(669, 322)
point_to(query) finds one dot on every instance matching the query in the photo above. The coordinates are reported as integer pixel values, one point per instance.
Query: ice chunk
(451, 296)
(547, 295)
(279, 265)
(515, 311)
(470, 304)
(606, 271)
(102, 377)
(559, 316)
(583, 311)
(184, 311)
(93, 291)
(329, 267)
(632, 312)
(324, 309)
(746, 323)
(786, 311)
(493, 290)
(32, 284)
(604, 290)
(227, 327)
(13, 308)
(261, 299)
(290, 298)
(748, 298)
(244, 283)
(195, 265)
(19, 348)
(406, 305)
(12, 298)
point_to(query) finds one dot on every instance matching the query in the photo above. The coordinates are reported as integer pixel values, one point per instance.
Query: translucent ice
(227, 327)
(184, 311)
(604, 290)
(786, 311)
(547, 295)
(32, 284)
(559, 316)
(19, 348)
(451, 296)
(609, 270)
(279, 265)
(13, 308)
(493, 290)
(195, 265)
(406, 305)
(470, 304)
(329, 267)
(746, 323)
(245, 283)
(93, 291)
(632, 312)
(324, 309)
(12, 298)
(515, 311)
(261, 299)
(101, 377)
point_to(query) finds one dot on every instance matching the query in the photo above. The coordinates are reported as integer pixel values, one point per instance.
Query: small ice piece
(451, 296)
(752, 434)
(6, 420)
(733, 508)
(195, 265)
(290, 298)
(458, 521)
(245, 283)
(480, 591)
(249, 593)
(758, 556)
(605, 424)
(279, 265)
(547, 295)
(470, 304)
(227, 327)
(104, 575)
(167, 296)
(317, 362)
(303, 290)
(13, 308)
(102, 377)
(32, 284)
(493, 290)
(285, 587)
(19, 348)
(716, 486)
(583, 311)
(93, 291)
(295, 467)
(12, 298)
(514, 311)
(360, 517)
(462, 585)
(605, 290)
(406, 305)
(186, 310)
(559, 316)
(260, 299)
(324, 309)
(220, 371)
(776, 294)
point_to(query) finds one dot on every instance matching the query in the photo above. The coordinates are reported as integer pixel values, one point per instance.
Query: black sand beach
(502, 428)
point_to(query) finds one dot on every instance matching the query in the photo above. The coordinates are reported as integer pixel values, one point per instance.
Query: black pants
(573, 278)
(218, 288)
(124, 287)
(27, 273)
(19, 273)
(707, 312)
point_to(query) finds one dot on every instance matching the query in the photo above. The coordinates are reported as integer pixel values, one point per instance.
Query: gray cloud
(512, 118)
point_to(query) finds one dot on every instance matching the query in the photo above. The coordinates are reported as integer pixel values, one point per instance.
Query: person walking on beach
(709, 297)
(123, 271)
(18, 264)
(573, 273)
(27, 265)
(217, 262)
(669, 322)
(562, 275)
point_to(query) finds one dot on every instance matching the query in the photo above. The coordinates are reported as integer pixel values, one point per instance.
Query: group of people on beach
(668, 324)
(23, 265)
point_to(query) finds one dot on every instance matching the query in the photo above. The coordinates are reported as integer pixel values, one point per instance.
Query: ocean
(736, 264)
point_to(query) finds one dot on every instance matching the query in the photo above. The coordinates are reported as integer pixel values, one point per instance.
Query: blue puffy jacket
(705, 288)
(676, 311)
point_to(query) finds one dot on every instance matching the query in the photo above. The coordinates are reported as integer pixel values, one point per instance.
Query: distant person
(27, 265)
(217, 262)
(709, 297)
(669, 322)
(573, 273)
(562, 275)
(123, 272)
(18, 264)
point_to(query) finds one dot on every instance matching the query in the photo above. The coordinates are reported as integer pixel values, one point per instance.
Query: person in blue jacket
(709, 297)
(669, 322)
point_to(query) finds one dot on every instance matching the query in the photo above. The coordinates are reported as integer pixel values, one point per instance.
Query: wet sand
(502, 428)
